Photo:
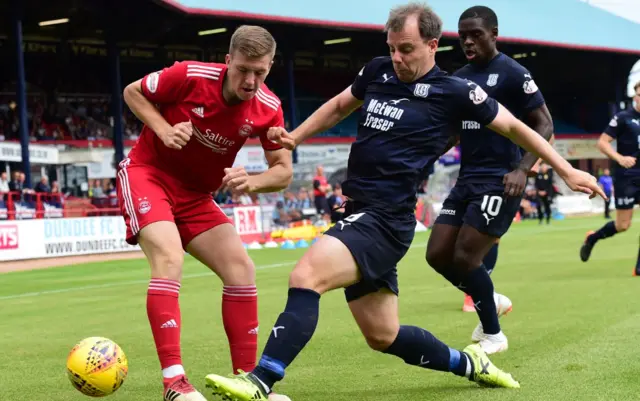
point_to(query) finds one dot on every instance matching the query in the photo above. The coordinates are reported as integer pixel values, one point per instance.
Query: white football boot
(494, 343)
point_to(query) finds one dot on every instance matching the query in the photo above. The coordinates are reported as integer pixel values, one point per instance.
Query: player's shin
(606, 231)
(163, 310)
(478, 284)
(292, 331)
(419, 347)
(240, 319)
(491, 258)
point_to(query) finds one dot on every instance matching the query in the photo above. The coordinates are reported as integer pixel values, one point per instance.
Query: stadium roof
(564, 23)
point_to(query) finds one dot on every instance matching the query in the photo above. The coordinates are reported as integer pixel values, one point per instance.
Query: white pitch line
(123, 283)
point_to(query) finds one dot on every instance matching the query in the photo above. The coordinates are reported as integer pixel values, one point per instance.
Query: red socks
(163, 310)
(240, 319)
(239, 316)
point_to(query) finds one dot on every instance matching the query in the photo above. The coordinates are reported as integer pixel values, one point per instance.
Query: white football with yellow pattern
(97, 366)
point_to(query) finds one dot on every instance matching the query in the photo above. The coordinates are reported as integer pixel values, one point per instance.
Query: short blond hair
(252, 41)
(636, 86)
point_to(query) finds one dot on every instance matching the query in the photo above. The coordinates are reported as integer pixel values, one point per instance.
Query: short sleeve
(615, 126)
(165, 86)
(527, 93)
(473, 103)
(277, 121)
(360, 83)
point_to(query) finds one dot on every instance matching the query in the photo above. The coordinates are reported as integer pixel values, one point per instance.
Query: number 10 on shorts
(491, 205)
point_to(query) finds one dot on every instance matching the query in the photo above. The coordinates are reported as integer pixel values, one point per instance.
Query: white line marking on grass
(123, 283)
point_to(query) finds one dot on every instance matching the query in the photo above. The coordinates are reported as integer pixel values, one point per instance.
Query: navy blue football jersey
(485, 155)
(625, 128)
(403, 128)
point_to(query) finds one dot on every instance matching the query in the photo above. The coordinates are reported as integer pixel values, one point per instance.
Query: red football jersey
(192, 91)
(323, 181)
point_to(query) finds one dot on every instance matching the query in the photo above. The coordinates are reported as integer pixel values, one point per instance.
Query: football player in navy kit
(408, 104)
(625, 128)
(492, 178)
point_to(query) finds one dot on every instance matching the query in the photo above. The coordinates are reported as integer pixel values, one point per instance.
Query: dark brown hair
(429, 22)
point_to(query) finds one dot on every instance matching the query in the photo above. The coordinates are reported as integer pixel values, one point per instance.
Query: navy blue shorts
(377, 240)
(481, 206)
(627, 192)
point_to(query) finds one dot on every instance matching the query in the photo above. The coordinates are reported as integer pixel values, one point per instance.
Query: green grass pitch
(572, 332)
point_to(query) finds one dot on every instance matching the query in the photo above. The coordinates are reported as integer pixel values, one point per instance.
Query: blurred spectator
(304, 200)
(280, 215)
(96, 191)
(291, 206)
(15, 185)
(55, 188)
(25, 187)
(320, 189)
(4, 182)
(43, 185)
(111, 190)
(335, 202)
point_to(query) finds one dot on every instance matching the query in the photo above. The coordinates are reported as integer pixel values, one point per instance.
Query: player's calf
(478, 284)
(377, 317)
(327, 265)
(220, 249)
(161, 244)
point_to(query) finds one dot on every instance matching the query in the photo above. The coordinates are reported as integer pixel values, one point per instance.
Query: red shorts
(147, 194)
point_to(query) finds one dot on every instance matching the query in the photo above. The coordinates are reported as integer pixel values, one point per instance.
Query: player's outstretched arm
(507, 125)
(604, 145)
(327, 116)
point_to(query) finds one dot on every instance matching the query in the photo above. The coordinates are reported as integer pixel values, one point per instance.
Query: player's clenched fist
(627, 161)
(236, 179)
(583, 182)
(280, 136)
(178, 136)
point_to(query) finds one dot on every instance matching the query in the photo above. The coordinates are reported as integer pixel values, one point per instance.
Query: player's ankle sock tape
(491, 258)
(459, 363)
(289, 335)
(479, 286)
(418, 347)
(606, 231)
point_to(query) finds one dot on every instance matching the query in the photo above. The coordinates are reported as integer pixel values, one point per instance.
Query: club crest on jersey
(421, 90)
(144, 206)
(246, 129)
(613, 122)
(529, 86)
(477, 95)
(492, 80)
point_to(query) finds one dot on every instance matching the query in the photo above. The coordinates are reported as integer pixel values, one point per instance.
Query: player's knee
(303, 276)
(436, 260)
(623, 225)
(241, 271)
(167, 264)
(381, 339)
(464, 260)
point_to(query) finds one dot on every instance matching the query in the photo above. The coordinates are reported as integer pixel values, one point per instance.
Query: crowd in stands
(17, 184)
(65, 118)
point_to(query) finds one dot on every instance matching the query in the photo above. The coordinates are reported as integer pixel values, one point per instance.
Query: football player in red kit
(197, 116)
